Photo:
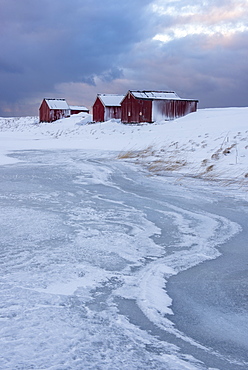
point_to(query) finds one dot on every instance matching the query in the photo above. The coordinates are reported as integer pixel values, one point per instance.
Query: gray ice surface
(103, 266)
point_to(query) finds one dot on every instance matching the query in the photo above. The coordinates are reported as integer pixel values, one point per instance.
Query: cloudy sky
(75, 49)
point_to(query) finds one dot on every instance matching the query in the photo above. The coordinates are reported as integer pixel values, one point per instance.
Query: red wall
(98, 111)
(135, 110)
(171, 109)
(57, 114)
(79, 111)
(44, 112)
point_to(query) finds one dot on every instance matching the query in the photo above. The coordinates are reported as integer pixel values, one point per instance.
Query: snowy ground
(211, 143)
(124, 245)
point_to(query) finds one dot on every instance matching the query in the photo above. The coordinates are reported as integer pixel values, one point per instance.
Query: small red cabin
(75, 109)
(53, 109)
(151, 106)
(107, 106)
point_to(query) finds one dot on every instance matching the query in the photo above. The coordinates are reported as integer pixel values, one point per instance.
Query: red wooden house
(151, 106)
(75, 109)
(53, 109)
(107, 106)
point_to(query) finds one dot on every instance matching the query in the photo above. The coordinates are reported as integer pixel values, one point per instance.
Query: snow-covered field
(124, 245)
(211, 143)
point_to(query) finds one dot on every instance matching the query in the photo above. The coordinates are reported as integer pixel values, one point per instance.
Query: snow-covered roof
(156, 95)
(111, 100)
(57, 103)
(78, 107)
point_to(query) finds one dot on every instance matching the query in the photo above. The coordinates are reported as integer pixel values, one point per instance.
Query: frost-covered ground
(211, 143)
(124, 246)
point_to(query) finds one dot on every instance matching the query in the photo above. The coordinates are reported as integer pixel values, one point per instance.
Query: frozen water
(87, 249)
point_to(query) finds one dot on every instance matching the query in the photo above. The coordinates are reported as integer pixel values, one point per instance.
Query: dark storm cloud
(50, 46)
(212, 70)
(204, 53)
(48, 42)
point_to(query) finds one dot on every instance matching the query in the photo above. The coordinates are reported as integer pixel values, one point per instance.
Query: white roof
(158, 95)
(78, 107)
(111, 100)
(155, 95)
(57, 103)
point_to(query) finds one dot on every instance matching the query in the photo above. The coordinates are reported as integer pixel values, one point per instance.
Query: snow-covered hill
(211, 143)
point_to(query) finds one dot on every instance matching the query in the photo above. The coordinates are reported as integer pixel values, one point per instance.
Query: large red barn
(53, 109)
(150, 106)
(107, 106)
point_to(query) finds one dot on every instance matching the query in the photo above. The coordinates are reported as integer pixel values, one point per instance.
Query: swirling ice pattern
(87, 247)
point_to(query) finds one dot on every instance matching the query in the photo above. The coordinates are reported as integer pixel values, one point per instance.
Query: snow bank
(210, 143)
